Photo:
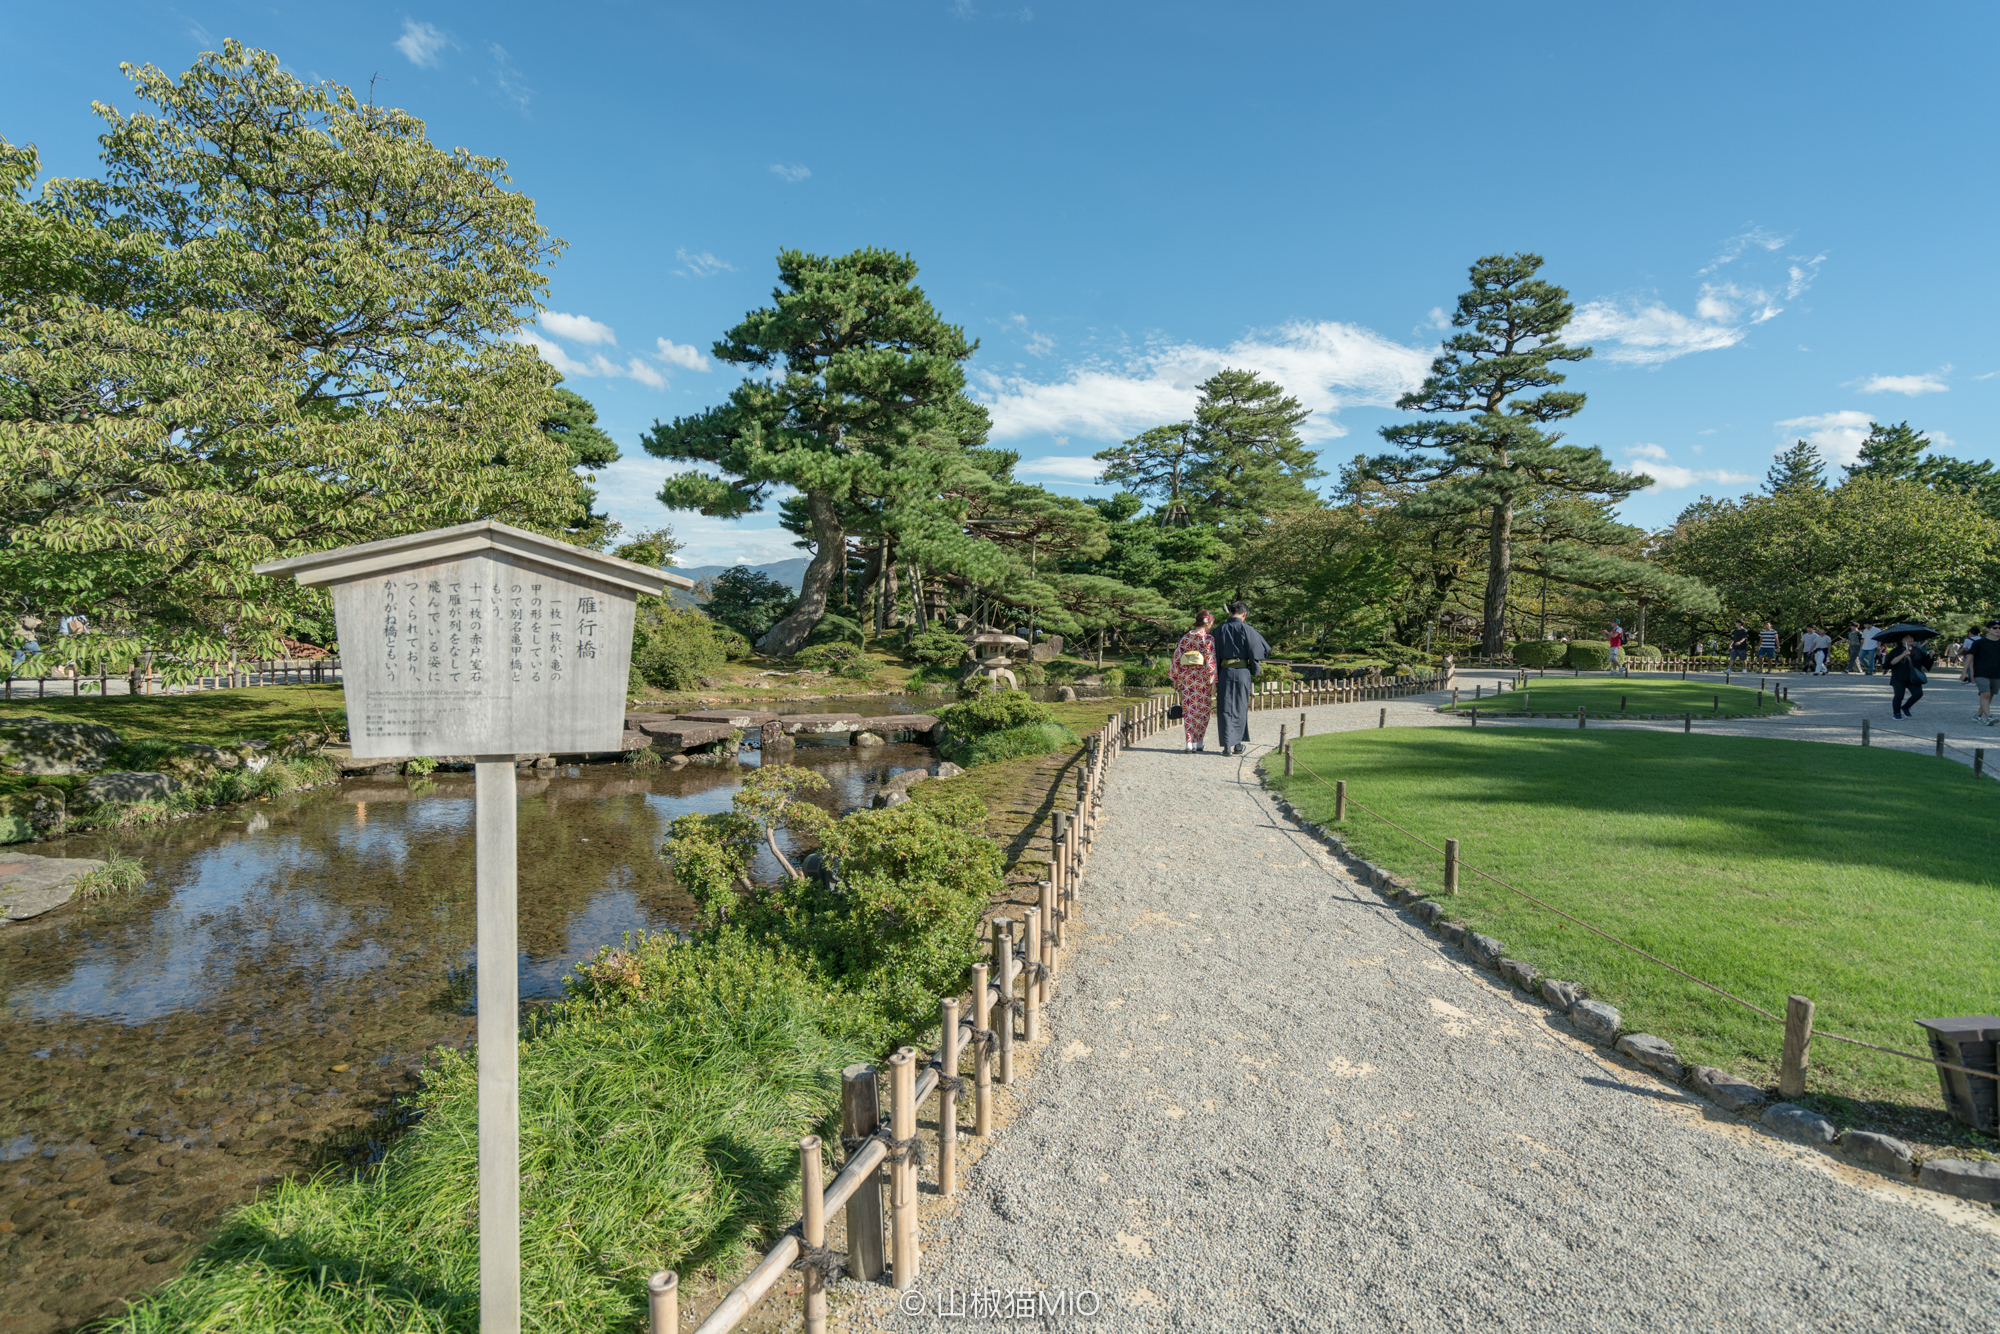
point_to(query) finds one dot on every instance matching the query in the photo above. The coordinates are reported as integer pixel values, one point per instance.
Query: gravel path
(1271, 1101)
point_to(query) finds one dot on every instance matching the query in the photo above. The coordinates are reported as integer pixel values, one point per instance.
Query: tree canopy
(277, 323)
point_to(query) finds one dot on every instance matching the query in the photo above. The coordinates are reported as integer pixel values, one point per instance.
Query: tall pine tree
(1486, 444)
(1799, 468)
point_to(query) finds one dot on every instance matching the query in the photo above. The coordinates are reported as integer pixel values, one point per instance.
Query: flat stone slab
(126, 786)
(1656, 1054)
(1807, 1127)
(679, 735)
(1878, 1151)
(902, 722)
(30, 886)
(821, 724)
(744, 718)
(1595, 1020)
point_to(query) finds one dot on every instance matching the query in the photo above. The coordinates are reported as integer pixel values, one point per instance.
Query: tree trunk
(1499, 566)
(871, 574)
(921, 613)
(885, 590)
(829, 559)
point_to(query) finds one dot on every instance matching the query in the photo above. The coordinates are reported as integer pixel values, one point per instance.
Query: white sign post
(490, 642)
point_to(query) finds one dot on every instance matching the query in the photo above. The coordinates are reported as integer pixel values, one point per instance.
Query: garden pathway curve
(1272, 1101)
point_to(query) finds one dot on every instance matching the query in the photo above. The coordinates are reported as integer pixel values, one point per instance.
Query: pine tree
(1891, 453)
(1798, 468)
(572, 420)
(1154, 465)
(1511, 324)
(1250, 463)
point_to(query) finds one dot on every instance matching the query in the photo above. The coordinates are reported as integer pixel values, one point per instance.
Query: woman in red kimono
(1194, 678)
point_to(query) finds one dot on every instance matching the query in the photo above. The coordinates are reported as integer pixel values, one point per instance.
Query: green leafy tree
(748, 601)
(1799, 468)
(1892, 453)
(1250, 461)
(277, 324)
(1486, 444)
(1156, 465)
(1873, 547)
(857, 387)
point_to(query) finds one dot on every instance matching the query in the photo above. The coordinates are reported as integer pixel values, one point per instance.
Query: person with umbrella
(1908, 659)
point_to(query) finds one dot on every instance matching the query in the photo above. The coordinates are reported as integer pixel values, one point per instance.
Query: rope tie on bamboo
(952, 1084)
(830, 1263)
(1034, 969)
(984, 1037)
(1015, 1004)
(1049, 937)
(902, 1151)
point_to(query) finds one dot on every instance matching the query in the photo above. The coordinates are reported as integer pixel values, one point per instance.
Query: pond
(255, 1010)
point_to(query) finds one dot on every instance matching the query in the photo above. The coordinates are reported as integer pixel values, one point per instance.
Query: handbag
(1176, 713)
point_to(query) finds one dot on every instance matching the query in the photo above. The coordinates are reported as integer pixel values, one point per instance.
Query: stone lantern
(987, 656)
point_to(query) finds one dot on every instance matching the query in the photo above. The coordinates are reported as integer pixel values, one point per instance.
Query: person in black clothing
(1982, 668)
(1239, 655)
(1906, 665)
(1739, 644)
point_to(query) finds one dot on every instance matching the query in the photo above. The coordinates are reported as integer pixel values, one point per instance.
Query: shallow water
(254, 1010)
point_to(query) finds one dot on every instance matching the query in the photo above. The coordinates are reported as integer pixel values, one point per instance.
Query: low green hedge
(1589, 655)
(1540, 653)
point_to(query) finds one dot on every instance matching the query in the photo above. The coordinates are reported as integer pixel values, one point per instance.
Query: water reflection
(279, 977)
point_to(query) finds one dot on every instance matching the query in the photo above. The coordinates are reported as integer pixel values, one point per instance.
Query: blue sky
(1775, 220)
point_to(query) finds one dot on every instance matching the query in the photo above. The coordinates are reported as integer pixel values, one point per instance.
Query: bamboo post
(1579, 716)
(812, 1220)
(1454, 697)
(1451, 866)
(860, 1115)
(1047, 952)
(1383, 721)
(982, 1056)
(663, 1303)
(1302, 726)
(1288, 761)
(1475, 715)
(1687, 722)
(1031, 930)
(1940, 745)
(947, 1097)
(1978, 761)
(1281, 735)
(1340, 799)
(1798, 1046)
(903, 1174)
(1003, 979)
(1864, 731)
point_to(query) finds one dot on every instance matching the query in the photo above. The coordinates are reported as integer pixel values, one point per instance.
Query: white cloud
(1931, 383)
(790, 172)
(701, 265)
(681, 354)
(645, 374)
(577, 328)
(565, 364)
(1062, 468)
(1735, 246)
(628, 491)
(1656, 463)
(508, 79)
(421, 43)
(1837, 435)
(1325, 365)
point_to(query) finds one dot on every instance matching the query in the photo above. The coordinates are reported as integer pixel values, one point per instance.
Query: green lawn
(1604, 697)
(208, 715)
(1865, 880)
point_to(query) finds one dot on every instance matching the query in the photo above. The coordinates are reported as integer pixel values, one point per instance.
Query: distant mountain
(790, 573)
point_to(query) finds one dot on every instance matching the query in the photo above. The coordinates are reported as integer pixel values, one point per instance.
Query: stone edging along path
(1599, 1023)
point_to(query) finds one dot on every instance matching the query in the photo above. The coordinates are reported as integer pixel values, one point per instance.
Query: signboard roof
(395, 553)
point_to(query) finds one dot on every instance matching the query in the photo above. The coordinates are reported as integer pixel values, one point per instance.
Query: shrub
(1011, 743)
(675, 649)
(1061, 671)
(1032, 674)
(1114, 677)
(1588, 655)
(1540, 653)
(935, 647)
(835, 629)
(993, 712)
(1650, 652)
(734, 646)
(840, 659)
(1149, 676)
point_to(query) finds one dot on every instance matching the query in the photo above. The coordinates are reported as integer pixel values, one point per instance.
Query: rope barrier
(1464, 867)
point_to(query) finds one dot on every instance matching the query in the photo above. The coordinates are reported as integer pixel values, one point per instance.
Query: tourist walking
(1767, 642)
(1854, 647)
(1617, 641)
(1193, 674)
(1816, 647)
(1907, 661)
(1982, 668)
(1871, 646)
(1240, 652)
(1739, 645)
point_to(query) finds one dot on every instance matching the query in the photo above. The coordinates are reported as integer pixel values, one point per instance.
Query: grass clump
(1002, 725)
(1870, 888)
(119, 875)
(1603, 695)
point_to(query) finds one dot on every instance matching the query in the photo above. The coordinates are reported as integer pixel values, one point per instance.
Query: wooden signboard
(490, 642)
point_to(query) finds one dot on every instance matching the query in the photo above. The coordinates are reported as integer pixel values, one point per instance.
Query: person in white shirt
(1869, 634)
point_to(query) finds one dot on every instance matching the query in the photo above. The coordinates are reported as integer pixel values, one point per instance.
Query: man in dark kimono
(1239, 655)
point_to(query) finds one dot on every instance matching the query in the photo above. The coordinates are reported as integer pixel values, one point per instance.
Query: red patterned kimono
(1196, 683)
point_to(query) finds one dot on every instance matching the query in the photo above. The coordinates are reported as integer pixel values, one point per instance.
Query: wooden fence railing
(142, 681)
(1305, 694)
(1002, 1006)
